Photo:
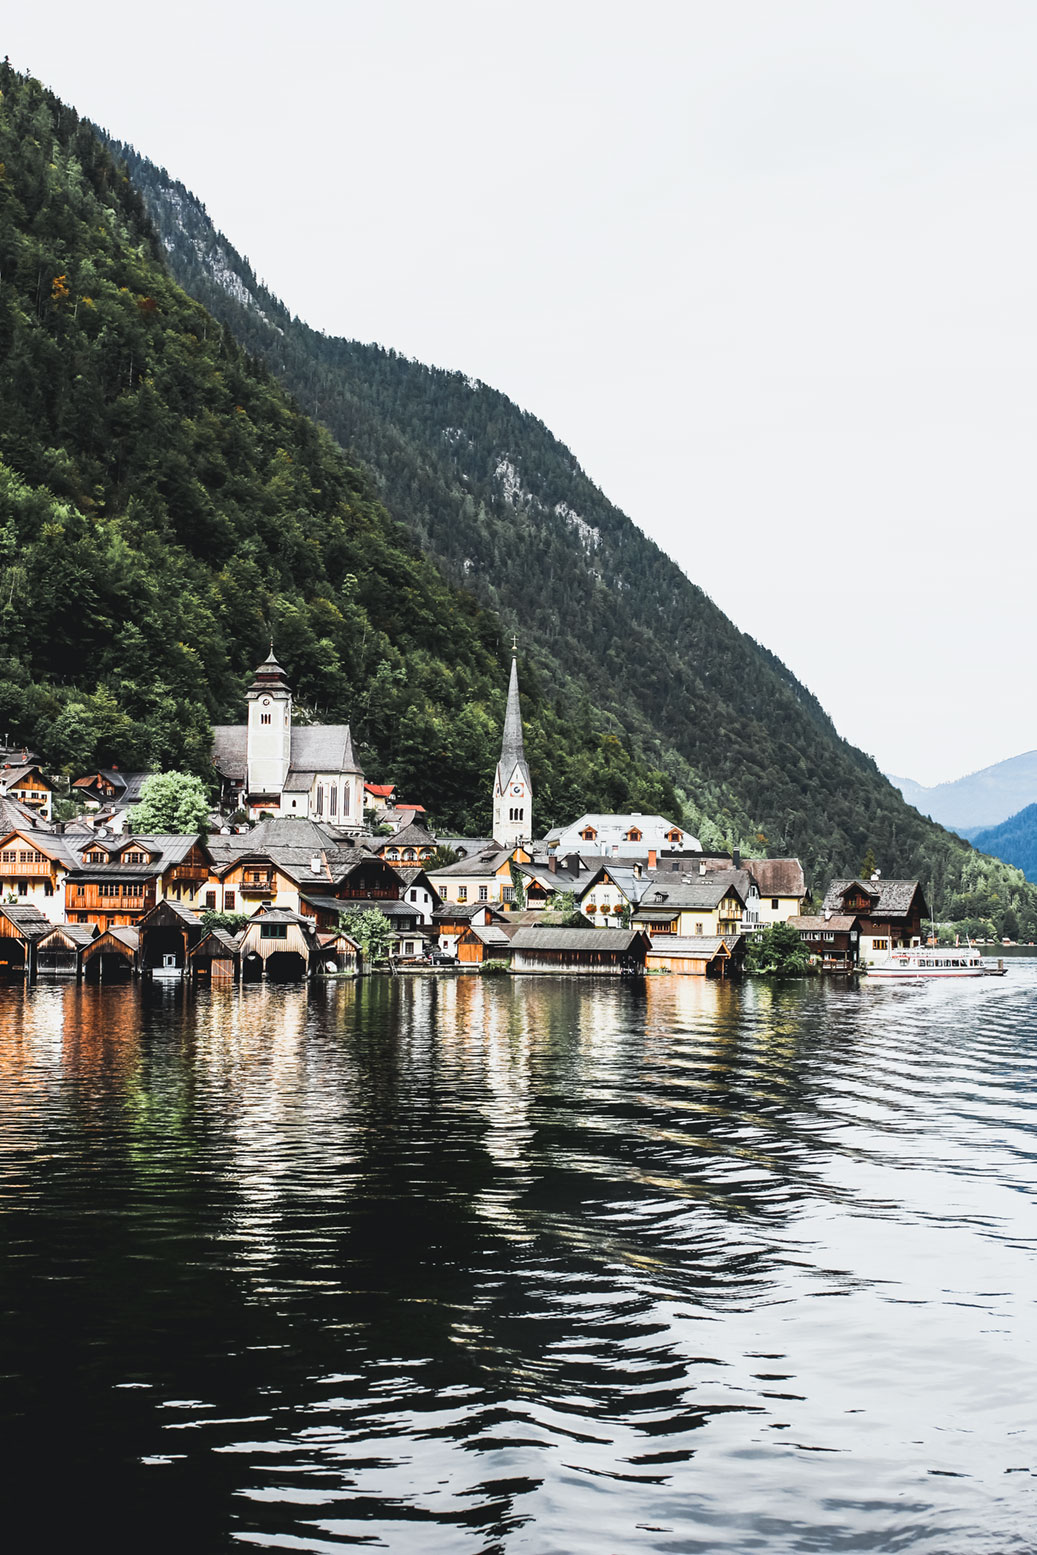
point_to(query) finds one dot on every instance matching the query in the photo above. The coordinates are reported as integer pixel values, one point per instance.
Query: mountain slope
(1015, 841)
(505, 508)
(164, 507)
(981, 799)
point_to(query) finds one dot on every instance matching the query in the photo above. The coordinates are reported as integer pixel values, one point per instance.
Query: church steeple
(512, 789)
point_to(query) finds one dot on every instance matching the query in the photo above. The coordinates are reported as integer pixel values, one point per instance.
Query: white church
(270, 765)
(512, 788)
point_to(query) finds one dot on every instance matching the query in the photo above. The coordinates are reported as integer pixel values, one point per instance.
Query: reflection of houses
(30, 786)
(698, 955)
(60, 953)
(112, 956)
(21, 929)
(832, 941)
(168, 932)
(608, 951)
(890, 913)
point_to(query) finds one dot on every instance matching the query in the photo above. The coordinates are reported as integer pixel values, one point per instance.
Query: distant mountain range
(981, 799)
(1015, 841)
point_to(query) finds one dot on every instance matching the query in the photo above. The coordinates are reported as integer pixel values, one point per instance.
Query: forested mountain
(164, 507)
(1015, 841)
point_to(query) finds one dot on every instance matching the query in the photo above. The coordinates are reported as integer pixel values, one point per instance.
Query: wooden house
(411, 845)
(21, 929)
(112, 956)
(278, 944)
(34, 864)
(214, 958)
(168, 932)
(451, 919)
(116, 880)
(612, 952)
(833, 941)
(476, 945)
(30, 785)
(60, 952)
(890, 913)
(698, 955)
(339, 954)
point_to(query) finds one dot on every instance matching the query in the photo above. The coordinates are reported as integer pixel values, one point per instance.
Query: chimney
(315, 864)
(552, 863)
(652, 856)
(702, 869)
(736, 859)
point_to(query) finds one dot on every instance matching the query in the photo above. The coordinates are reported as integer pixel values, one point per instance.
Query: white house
(621, 836)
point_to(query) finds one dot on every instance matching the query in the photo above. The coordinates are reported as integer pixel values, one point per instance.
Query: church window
(345, 800)
(264, 718)
(333, 801)
(320, 798)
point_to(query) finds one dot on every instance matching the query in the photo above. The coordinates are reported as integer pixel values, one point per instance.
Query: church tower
(512, 789)
(268, 749)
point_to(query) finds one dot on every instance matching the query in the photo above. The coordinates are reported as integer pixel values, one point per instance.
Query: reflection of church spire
(512, 789)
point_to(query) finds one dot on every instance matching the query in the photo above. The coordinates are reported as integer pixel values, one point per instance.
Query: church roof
(315, 748)
(270, 676)
(512, 750)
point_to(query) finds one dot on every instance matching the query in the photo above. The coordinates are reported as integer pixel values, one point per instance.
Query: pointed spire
(512, 752)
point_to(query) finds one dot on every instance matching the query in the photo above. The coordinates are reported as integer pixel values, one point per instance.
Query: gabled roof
(889, 898)
(14, 815)
(413, 836)
(691, 892)
(28, 920)
(777, 876)
(837, 923)
(79, 934)
(487, 862)
(164, 851)
(314, 748)
(701, 947)
(549, 938)
(10, 777)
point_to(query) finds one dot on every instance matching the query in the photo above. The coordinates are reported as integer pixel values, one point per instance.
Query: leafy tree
(231, 922)
(563, 909)
(518, 886)
(371, 929)
(868, 865)
(778, 951)
(443, 857)
(170, 802)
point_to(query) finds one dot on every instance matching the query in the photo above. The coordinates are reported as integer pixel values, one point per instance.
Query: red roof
(382, 790)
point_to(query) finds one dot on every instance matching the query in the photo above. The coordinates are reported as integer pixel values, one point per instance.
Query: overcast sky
(769, 269)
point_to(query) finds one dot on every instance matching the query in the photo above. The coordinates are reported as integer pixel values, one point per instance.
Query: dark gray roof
(451, 911)
(838, 923)
(79, 933)
(167, 850)
(574, 939)
(694, 946)
(688, 892)
(10, 776)
(378, 904)
(220, 937)
(315, 748)
(28, 920)
(890, 898)
(413, 836)
(487, 862)
(15, 816)
(291, 845)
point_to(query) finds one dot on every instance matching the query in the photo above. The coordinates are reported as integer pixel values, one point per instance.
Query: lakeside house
(889, 914)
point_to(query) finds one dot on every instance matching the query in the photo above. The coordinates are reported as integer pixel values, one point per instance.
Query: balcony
(257, 885)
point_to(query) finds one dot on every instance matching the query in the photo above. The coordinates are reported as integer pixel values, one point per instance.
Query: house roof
(492, 934)
(14, 816)
(214, 938)
(28, 920)
(79, 933)
(380, 790)
(691, 892)
(548, 938)
(314, 748)
(165, 851)
(451, 912)
(838, 923)
(699, 947)
(10, 777)
(413, 836)
(889, 898)
(777, 876)
(486, 862)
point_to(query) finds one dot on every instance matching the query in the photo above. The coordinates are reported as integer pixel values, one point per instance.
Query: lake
(560, 1266)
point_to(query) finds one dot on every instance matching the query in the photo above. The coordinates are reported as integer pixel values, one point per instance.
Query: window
(462, 893)
(698, 928)
(273, 931)
(133, 858)
(484, 893)
(210, 900)
(229, 899)
(320, 798)
(408, 947)
(264, 718)
(345, 800)
(333, 802)
(774, 904)
(80, 890)
(880, 944)
(508, 894)
(23, 888)
(414, 896)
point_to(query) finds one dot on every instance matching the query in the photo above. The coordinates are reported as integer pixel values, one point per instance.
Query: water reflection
(443, 1264)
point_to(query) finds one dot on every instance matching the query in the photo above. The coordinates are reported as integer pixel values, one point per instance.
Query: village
(302, 846)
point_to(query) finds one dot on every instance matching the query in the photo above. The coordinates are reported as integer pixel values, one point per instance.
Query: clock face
(266, 701)
(516, 788)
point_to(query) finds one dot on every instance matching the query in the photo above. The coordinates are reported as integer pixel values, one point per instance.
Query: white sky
(769, 269)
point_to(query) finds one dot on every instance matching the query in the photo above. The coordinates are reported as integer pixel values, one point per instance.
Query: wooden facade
(112, 956)
(60, 953)
(611, 952)
(698, 955)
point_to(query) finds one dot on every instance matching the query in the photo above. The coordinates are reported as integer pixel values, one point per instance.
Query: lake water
(567, 1267)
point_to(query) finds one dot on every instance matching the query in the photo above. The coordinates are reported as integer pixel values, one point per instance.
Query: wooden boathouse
(60, 953)
(698, 955)
(612, 952)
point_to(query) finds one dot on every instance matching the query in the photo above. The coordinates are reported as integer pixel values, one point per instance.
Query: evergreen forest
(166, 508)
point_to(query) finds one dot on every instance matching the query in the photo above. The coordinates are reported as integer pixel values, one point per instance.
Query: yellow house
(712, 905)
(485, 877)
(781, 886)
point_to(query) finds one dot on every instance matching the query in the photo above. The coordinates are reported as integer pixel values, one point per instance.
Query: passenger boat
(933, 961)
